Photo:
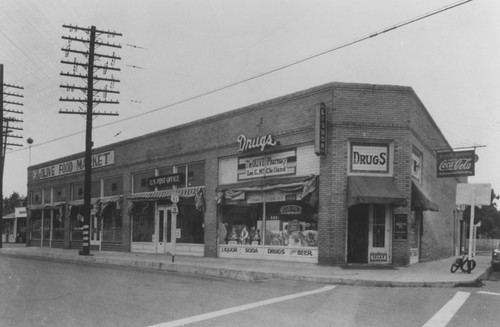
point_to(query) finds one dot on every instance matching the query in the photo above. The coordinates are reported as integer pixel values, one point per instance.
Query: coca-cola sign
(454, 164)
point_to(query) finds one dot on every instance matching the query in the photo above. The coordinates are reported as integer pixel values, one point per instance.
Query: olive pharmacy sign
(73, 166)
(454, 164)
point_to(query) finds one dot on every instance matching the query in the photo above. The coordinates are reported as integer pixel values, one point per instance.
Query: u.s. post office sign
(73, 166)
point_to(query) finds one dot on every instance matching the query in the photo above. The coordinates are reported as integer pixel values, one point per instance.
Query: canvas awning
(419, 201)
(377, 190)
(187, 192)
(106, 199)
(304, 184)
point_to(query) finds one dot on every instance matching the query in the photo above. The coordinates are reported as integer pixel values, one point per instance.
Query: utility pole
(8, 124)
(96, 67)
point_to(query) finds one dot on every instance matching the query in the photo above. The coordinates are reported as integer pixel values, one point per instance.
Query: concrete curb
(244, 275)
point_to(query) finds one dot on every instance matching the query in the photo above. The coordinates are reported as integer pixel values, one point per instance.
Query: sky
(176, 53)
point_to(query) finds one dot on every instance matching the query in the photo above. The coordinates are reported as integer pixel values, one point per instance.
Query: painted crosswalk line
(224, 312)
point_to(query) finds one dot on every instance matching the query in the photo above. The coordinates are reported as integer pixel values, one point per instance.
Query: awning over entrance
(377, 190)
(303, 184)
(187, 192)
(419, 201)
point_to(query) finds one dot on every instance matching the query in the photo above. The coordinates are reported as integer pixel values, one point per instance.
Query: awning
(53, 205)
(303, 184)
(419, 201)
(377, 190)
(106, 199)
(187, 192)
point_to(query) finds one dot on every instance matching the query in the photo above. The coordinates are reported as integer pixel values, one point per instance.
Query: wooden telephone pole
(8, 124)
(96, 67)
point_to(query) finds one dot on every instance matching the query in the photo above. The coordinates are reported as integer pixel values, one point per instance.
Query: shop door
(357, 238)
(95, 230)
(379, 234)
(162, 229)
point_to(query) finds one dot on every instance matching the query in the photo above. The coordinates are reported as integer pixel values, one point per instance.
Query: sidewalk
(428, 274)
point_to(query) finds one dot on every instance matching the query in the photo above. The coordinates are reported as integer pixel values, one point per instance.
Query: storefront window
(59, 193)
(36, 197)
(95, 189)
(190, 223)
(78, 191)
(286, 223)
(163, 172)
(76, 222)
(143, 222)
(112, 223)
(46, 224)
(58, 225)
(36, 224)
(140, 181)
(378, 226)
(196, 174)
(46, 195)
(113, 186)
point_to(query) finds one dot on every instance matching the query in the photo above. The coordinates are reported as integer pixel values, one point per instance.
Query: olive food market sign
(73, 166)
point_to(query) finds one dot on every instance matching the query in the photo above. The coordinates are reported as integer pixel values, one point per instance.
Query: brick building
(339, 173)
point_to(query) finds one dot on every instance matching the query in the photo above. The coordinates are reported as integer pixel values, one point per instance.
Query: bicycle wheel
(468, 265)
(454, 267)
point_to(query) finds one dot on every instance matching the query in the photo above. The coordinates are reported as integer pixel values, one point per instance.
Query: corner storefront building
(339, 173)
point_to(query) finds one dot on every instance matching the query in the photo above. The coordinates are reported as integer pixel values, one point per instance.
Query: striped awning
(105, 199)
(187, 192)
(54, 205)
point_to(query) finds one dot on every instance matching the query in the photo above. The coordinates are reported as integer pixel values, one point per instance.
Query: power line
(294, 63)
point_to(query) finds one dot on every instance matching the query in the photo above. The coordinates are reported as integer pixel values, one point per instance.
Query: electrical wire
(294, 63)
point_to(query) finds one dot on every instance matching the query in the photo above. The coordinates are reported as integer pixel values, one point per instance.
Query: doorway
(95, 230)
(163, 229)
(357, 235)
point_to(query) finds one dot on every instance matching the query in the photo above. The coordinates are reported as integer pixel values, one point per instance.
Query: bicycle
(464, 264)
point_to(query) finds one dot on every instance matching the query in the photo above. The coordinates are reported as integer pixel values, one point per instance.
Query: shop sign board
(98, 160)
(275, 164)
(470, 193)
(269, 252)
(454, 164)
(291, 209)
(400, 227)
(378, 257)
(272, 196)
(320, 130)
(260, 142)
(370, 158)
(166, 180)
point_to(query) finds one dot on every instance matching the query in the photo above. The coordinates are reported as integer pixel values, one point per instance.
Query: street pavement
(423, 274)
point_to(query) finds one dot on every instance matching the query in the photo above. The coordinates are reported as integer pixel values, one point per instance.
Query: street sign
(175, 209)
(473, 194)
(174, 198)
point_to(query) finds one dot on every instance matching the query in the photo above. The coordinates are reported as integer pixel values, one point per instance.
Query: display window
(57, 225)
(76, 222)
(282, 223)
(111, 223)
(190, 224)
(46, 224)
(143, 222)
(36, 224)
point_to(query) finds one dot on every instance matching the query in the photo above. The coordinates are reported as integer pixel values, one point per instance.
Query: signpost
(173, 232)
(473, 194)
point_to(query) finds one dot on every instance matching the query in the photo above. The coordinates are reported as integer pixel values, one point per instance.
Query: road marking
(443, 316)
(490, 293)
(215, 314)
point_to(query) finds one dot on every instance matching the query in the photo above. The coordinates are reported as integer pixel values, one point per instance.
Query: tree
(489, 217)
(9, 203)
